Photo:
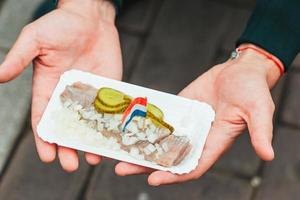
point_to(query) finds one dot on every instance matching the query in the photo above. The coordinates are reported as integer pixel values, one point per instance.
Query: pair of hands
(83, 36)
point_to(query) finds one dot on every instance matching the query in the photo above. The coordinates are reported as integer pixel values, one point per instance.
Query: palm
(236, 104)
(234, 96)
(60, 41)
(73, 43)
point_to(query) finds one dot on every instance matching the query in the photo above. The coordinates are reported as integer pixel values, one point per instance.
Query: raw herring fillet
(142, 137)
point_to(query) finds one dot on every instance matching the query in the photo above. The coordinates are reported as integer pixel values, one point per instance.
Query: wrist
(104, 9)
(262, 60)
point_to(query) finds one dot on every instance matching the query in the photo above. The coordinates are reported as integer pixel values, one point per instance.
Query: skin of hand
(79, 34)
(239, 91)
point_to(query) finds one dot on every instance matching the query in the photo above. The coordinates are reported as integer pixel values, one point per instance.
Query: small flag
(138, 107)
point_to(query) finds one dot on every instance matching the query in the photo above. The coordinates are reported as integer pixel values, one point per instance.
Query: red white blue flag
(138, 107)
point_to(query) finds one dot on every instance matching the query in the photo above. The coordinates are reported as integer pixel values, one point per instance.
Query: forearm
(274, 26)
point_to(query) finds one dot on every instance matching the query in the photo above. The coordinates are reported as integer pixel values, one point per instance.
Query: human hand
(77, 35)
(239, 91)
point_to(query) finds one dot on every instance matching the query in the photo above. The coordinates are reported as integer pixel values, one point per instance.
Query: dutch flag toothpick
(138, 107)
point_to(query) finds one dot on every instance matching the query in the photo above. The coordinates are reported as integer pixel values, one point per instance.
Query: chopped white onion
(113, 125)
(132, 127)
(152, 128)
(92, 124)
(129, 140)
(67, 103)
(86, 114)
(100, 126)
(77, 107)
(140, 123)
(147, 151)
(159, 149)
(141, 136)
(152, 137)
(134, 151)
(118, 117)
(148, 132)
(151, 148)
(94, 116)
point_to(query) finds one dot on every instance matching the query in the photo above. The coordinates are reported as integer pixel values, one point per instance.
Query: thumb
(21, 54)
(260, 125)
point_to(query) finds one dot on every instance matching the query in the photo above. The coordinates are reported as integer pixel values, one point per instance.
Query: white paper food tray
(188, 117)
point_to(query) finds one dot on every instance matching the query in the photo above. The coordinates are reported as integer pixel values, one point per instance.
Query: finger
(22, 53)
(124, 169)
(46, 151)
(220, 138)
(41, 92)
(260, 125)
(164, 178)
(68, 158)
(92, 159)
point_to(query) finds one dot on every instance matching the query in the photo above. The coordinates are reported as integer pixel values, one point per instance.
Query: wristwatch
(234, 54)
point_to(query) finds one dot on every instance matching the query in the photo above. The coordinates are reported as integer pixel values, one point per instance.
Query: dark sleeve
(275, 27)
(118, 4)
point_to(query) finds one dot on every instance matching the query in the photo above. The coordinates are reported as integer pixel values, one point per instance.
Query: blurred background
(166, 44)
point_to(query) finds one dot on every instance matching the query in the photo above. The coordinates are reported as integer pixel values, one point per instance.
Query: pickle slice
(112, 98)
(111, 110)
(160, 122)
(127, 98)
(154, 110)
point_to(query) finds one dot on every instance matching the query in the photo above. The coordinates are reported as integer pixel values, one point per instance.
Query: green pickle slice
(112, 98)
(111, 110)
(154, 110)
(160, 122)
